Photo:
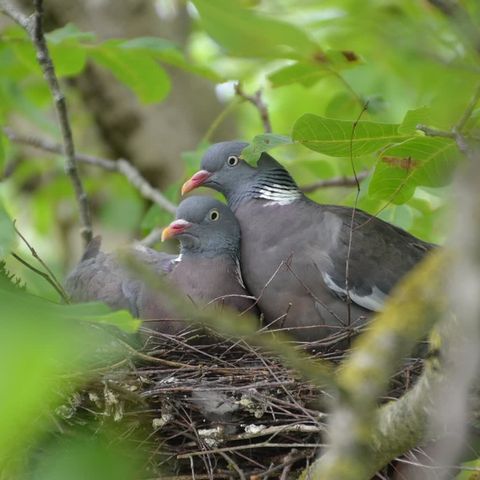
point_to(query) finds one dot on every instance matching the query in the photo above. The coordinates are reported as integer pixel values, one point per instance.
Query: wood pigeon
(207, 268)
(294, 251)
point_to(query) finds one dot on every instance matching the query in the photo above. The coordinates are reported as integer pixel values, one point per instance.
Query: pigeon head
(224, 170)
(206, 226)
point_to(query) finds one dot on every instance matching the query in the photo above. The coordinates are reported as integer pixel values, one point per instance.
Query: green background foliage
(387, 65)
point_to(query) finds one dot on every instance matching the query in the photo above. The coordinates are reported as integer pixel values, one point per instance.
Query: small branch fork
(458, 131)
(122, 166)
(33, 25)
(48, 275)
(257, 101)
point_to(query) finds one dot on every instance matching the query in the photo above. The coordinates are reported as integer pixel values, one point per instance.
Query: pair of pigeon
(313, 269)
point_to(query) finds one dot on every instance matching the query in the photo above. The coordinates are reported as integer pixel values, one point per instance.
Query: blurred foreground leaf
(247, 33)
(7, 233)
(44, 348)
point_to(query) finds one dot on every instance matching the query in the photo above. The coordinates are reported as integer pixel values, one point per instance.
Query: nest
(222, 409)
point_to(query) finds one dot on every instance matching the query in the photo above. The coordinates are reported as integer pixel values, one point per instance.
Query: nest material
(216, 410)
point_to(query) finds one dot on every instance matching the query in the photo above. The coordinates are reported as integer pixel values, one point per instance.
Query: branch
(56, 284)
(400, 426)
(257, 101)
(16, 15)
(33, 25)
(46, 276)
(343, 181)
(433, 132)
(461, 333)
(417, 302)
(121, 166)
(461, 19)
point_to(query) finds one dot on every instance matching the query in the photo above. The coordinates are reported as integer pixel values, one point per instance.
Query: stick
(257, 101)
(122, 166)
(343, 181)
(33, 25)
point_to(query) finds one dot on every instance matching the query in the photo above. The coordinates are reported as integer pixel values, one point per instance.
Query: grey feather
(294, 251)
(206, 271)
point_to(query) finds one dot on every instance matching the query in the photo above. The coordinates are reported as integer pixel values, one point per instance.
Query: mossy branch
(364, 438)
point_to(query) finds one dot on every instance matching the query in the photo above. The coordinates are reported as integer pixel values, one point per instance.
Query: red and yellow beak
(175, 228)
(196, 181)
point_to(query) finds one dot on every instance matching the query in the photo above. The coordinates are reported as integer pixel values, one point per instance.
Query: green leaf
(306, 74)
(69, 58)
(69, 32)
(337, 138)
(168, 52)
(309, 73)
(135, 69)
(341, 105)
(424, 161)
(100, 313)
(469, 474)
(263, 143)
(38, 349)
(413, 118)
(7, 233)
(244, 32)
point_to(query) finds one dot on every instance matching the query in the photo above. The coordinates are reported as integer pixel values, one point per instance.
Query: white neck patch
(278, 194)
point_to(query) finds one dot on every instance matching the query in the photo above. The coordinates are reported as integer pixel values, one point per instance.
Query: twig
(468, 112)
(255, 445)
(257, 101)
(461, 20)
(342, 181)
(276, 429)
(35, 255)
(34, 27)
(433, 132)
(121, 166)
(42, 274)
(234, 465)
(17, 16)
(289, 459)
(152, 238)
(352, 221)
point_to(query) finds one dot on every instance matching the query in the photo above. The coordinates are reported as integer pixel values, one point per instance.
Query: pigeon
(207, 270)
(294, 251)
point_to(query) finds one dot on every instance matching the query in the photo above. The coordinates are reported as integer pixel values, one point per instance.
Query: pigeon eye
(232, 160)
(214, 215)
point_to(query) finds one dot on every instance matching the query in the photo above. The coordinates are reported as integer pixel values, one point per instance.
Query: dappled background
(159, 99)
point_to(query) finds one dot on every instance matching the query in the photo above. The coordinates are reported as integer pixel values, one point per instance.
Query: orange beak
(198, 179)
(175, 228)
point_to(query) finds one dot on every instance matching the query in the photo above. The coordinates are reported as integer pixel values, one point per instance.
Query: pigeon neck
(228, 249)
(273, 184)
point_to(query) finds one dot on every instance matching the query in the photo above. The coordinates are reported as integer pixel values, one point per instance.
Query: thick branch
(409, 314)
(400, 426)
(34, 27)
(121, 166)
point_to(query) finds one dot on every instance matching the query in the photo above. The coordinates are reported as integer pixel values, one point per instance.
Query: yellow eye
(232, 160)
(214, 215)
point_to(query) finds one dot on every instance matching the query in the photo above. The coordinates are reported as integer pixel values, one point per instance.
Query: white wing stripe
(373, 302)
